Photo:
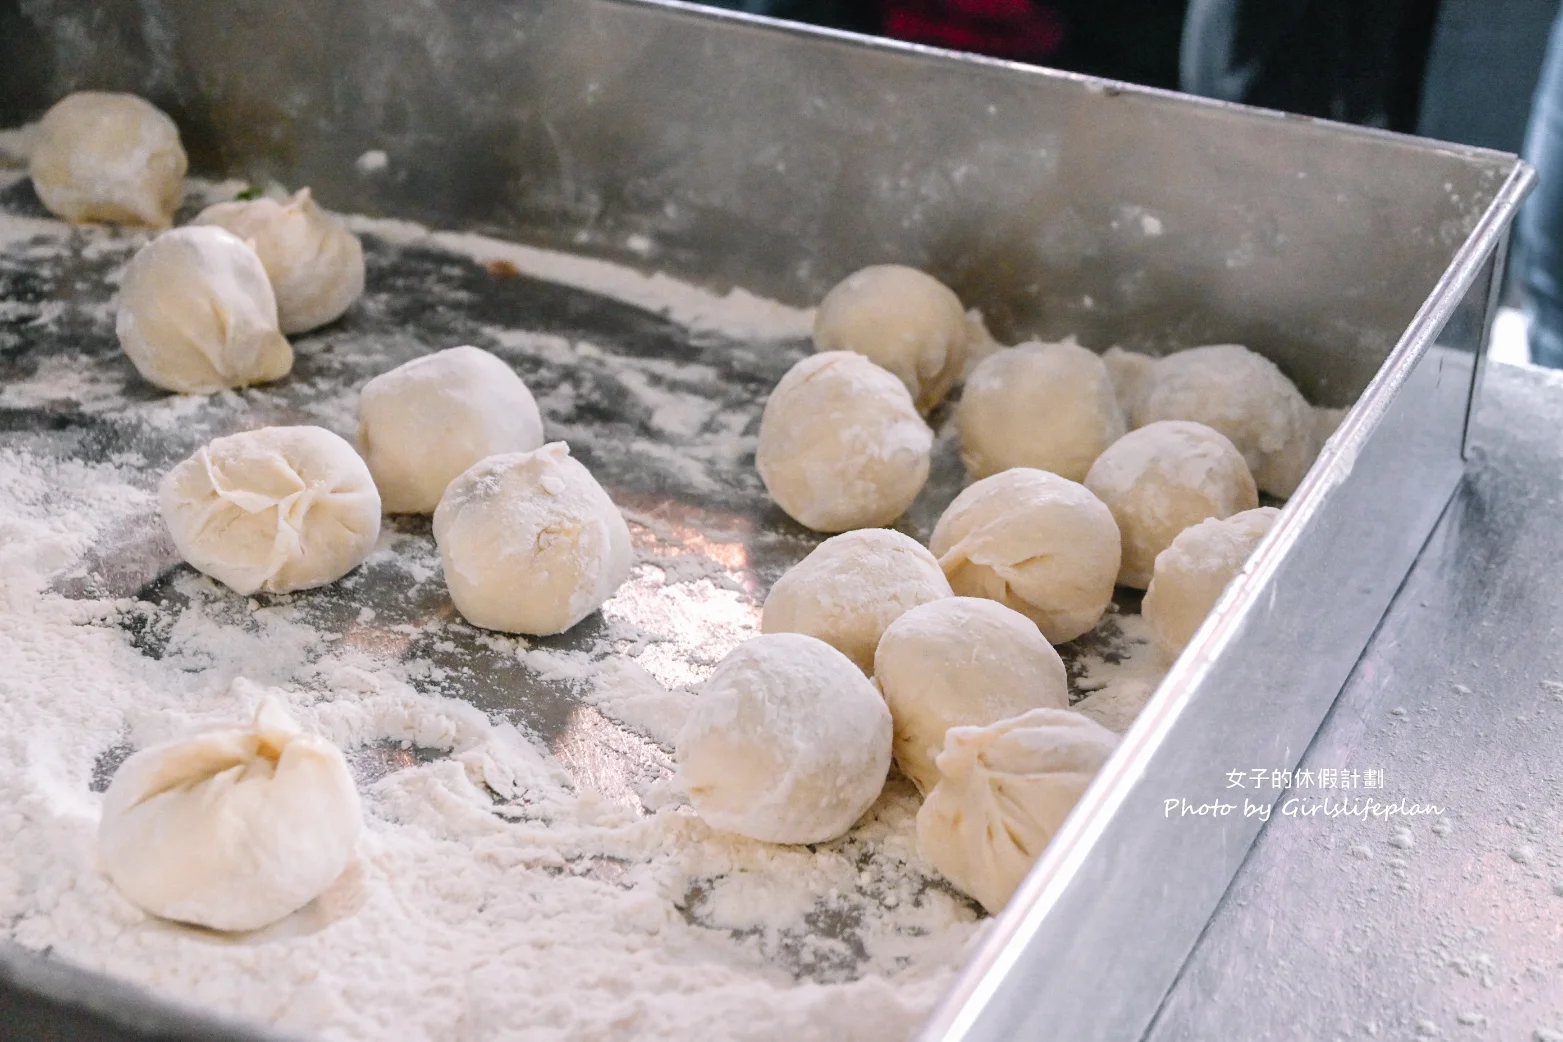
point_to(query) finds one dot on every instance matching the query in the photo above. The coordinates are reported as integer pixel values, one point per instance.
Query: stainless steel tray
(731, 152)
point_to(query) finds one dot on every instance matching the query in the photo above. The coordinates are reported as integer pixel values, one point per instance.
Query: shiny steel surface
(780, 159)
(1086, 949)
(1340, 928)
(735, 153)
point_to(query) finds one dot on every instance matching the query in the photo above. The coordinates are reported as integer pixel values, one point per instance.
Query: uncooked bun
(275, 509)
(841, 445)
(1038, 543)
(108, 157)
(902, 320)
(1004, 792)
(961, 662)
(1192, 573)
(423, 423)
(315, 264)
(851, 587)
(530, 542)
(1048, 406)
(1245, 397)
(231, 829)
(196, 314)
(788, 742)
(1161, 479)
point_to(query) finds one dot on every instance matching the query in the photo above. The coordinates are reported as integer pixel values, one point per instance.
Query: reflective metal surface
(780, 159)
(1096, 934)
(1347, 927)
(731, 152)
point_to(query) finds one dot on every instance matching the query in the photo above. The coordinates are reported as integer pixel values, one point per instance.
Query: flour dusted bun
(231, 829)
(1245, 397)
(530, 542)
(1035, 542)
(275, 509)
(423, 423)
(1192, 573)
(1004, 792)
(108, 157)
(196, 314)
(1048, 406)
(1132, 374)
(961, 662)
(1161, 479)
(902, 320)
(315, 264)
(851, 587)
(788, 742)
(841, 445)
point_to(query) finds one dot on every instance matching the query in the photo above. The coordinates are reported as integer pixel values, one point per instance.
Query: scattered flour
(529, 869)
(495, 895)
(738, 313)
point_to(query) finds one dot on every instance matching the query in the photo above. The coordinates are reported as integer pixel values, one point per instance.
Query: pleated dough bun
(851, 587)
(1161, 479)
(902, 320)
(1048, 406)
(275, 509)
(788, 742)
(841, 444)
(196, 314)
(961, 662)
(1004, 792)
(315, 264)
(1035, 542)
(423, 423)
(108, 157)
(231, 829)
(530, 542)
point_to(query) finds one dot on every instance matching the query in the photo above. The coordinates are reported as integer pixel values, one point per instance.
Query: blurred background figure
(1357, 61)
(1467, 71)
(1540, 266)
(1134, 40)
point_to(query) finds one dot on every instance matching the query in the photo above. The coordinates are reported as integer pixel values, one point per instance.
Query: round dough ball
(902, 320)
(1035, 542)
(108, 157)
(231, 829)
(1048, 406)
(841, 445)
(423, 423)
(851, 587)
(961, 662)
(276, 509)
(315, 264)
(530, 542)
(1004, 792)
(788, 742)
(1245, 397)
(1192, 573)
(1161, 479)
(196, 314)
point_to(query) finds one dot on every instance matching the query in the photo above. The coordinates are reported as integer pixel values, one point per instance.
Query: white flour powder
(508, 886)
